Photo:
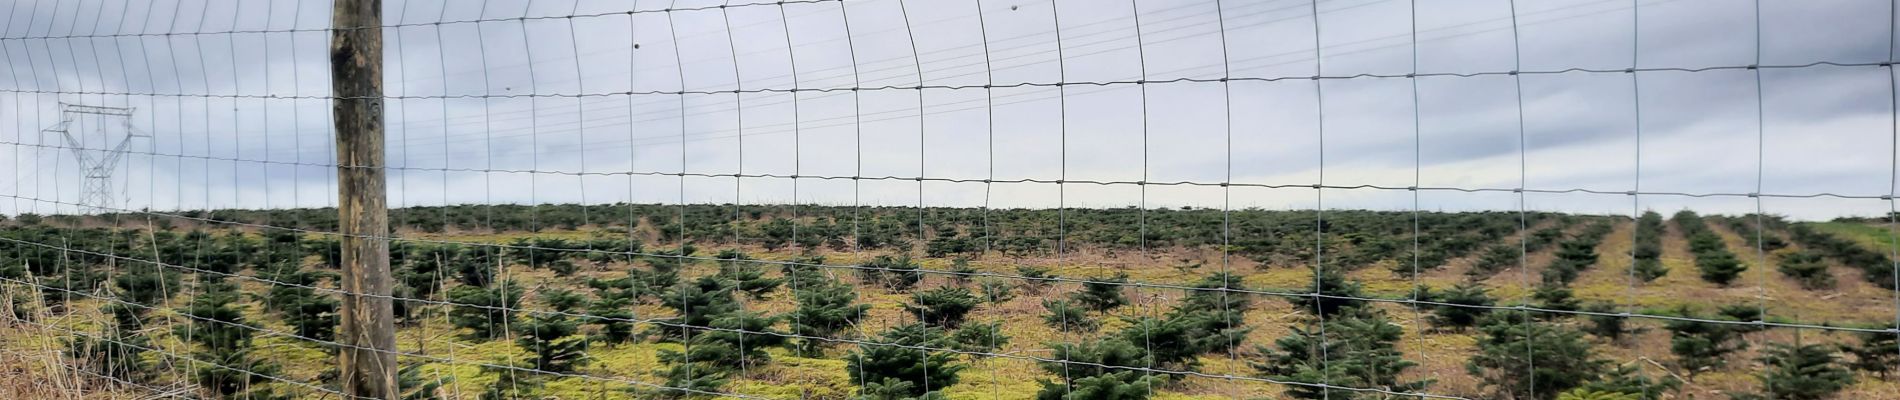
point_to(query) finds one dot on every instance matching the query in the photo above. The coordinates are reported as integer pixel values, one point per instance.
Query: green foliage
(883, 363)
(1876, 267)
(746, 275)
(415, 386)
(1171, 342)
(1629, 381)
(1802, 372)
(74, 278)
(685, 381)
(1542, 238)
(961, 271)
(1207, 319)
(511, 383)
(1575, 255)
(1806, 267)
(738, 340)
(1068, 317)
(1648, 250)
(553, 341)
(1333, 293)
(980, 337)
(562, 300)
(1721, 268)
(825, 307)
(119, 356)
(613, 304)
(484, 311)
(1120, 385)
(1357, 348)
(949, 242)
(943, 307)
(310, 314)
(1098, 370)
(475, 266)
(1035, 279)
(223, 338)
(553, 253)
(1102, 294)
(145, 283)
(996, 290)
(1467, 304)
(1219, 291)
(1712, 258)
(896, 389)
(1650, 269)
(1588, 394)
(802, 273)
(1215, 311)
(217, 319)
(776, 234)
(1357, 238)
(1750, 228)
(1516, 350)
(422, 267)
(698, 303)
(1743, 313)
(562, 267)
(1875, 353)
(662, 271)
(895, 273)
(1496, 258)
(1554, 297)
(1702, 346)
(19, 304)
(1606, 323)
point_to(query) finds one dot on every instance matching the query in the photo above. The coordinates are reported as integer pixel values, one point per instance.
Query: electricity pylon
(96, 164)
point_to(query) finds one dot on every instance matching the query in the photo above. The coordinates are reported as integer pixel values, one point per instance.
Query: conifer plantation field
(840, 302)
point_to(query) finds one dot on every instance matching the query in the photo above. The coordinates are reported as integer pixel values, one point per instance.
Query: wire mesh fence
(893, 199)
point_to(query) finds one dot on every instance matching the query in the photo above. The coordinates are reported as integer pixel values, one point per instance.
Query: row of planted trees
(1355, 238)
(1347, 341)
(1512, 339)
(1875, 264)
(1356, 348)
(1647, 253)
(1808, 265)
(210, 339)
(1713, 260)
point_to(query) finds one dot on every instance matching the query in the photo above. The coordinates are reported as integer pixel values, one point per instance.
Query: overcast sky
(1822, 129)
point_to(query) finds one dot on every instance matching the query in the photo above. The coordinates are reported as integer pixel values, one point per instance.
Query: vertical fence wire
(215, 229)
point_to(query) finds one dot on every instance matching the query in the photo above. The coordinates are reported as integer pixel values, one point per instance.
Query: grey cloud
(1579, 129)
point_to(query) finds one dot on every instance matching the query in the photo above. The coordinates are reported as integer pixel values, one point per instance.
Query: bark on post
(367, 361)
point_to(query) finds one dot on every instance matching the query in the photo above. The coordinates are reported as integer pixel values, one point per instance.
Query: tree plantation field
(819, 302)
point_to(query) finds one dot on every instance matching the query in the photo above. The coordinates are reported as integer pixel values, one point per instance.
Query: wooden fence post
(367, 361)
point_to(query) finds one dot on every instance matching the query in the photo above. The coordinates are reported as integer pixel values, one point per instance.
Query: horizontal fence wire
(169, 354)
(1079, 182)
(335, 344)
(662, 322)
(861, 267)
(740, 86)
(668, 9)
(847, 89)
(666, 322)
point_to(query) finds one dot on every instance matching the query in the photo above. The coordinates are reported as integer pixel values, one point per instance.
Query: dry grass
(35, 370)
(33, 363)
